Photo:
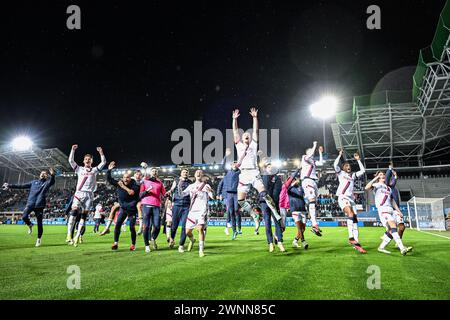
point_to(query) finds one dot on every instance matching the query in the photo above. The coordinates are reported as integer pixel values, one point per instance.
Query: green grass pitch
(240, 269)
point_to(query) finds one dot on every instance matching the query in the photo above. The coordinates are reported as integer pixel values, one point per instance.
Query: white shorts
(310, 188)
(385, 214)
(345, 201)
(398, 217)
(195, 218)
(299, 216)
(83, 200)
(249, 178)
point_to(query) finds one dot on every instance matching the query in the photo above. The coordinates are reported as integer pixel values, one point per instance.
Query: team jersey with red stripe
(346, 184)
(199, 195)
(87, 177)
(347, 179)
(383, 194)
(308, 168)
(248, 156)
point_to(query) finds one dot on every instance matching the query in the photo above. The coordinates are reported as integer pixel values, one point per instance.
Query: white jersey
(98, 211)
(309, 167)
(247, 155)
(347, 180)
(383, 194)
(87, 177)
(199, 196)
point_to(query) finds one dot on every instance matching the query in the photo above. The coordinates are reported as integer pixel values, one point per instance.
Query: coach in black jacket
(272, 183)
(128, 194)
(36, 200)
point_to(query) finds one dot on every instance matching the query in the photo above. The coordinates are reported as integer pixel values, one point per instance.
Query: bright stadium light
(324, 108)
(21, 143)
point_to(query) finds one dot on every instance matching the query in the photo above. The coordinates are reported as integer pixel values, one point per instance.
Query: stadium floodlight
(21, 143)
(324, 109)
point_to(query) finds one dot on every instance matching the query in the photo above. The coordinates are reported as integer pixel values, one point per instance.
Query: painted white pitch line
(434, 234)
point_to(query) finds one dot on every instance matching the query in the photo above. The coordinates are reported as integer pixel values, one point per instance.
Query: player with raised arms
(36, 200)
(346, 199)
(199, 192)
(247, 152)
(309, 179)
(84, 194)
(386, 205)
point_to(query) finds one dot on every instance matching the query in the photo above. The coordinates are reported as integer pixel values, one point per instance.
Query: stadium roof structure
(34, 160)
(405, 127)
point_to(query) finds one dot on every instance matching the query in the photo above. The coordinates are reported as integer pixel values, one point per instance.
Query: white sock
(80, 227)
(356, 231)
(70, 226)
(385, 241)
(201, 245)
(312, 213)
(168, 232)
(350, 228)
(398, 241)
(256, 224)
(108, 224)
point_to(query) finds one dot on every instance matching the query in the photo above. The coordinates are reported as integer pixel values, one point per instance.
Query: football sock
(397, 239)
(312, 213)
(70, 225)
(108, 224)
(350, 228)
(385, 242)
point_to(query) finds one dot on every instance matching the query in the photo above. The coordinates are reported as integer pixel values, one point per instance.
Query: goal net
(426, 213)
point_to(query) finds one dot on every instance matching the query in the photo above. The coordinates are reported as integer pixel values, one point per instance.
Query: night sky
(135, 73)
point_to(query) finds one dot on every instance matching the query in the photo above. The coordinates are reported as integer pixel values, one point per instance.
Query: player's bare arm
(72, 162)
(254, 114)
(102, 157)
(235, 115)
(371, 182)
